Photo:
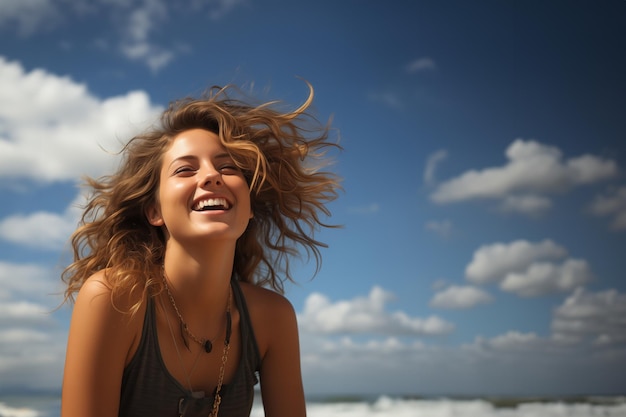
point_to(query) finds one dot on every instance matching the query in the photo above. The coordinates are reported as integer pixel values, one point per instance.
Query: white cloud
(441, 228)
(460, 297)
(546, 277)
(20, 336)
(599, 316)
(55, 130)
(528, 269)
(431, 165)
(23, 313)
(41, 229)
(31, 345)
(421, 64)
(365, 315)
(491, 263)
(28, 281)
(613, 204)
(532, 169)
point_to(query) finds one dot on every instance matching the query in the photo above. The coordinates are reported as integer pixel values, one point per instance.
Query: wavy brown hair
(282, 156)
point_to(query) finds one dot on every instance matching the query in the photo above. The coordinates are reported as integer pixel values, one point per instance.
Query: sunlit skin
(200, 247)
(195, 168)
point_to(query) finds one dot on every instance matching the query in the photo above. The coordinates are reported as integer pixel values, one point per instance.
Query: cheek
(172, 191)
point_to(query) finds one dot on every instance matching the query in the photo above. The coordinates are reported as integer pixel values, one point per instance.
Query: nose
(211, 177)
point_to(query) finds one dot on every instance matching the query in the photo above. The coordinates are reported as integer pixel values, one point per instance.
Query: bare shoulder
(266, 300)
(275, 327)
(97, 292)
(102, 339)
(96, 305)
(272, 315)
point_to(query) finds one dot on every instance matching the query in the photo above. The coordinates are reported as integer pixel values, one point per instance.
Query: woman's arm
(281, 378)
(98, 345)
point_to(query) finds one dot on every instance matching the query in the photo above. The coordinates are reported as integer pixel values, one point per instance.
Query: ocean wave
(6, 411)
(398, 407)
(403, 407)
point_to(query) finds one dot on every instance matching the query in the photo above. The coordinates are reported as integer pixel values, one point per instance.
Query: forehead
(193, 142)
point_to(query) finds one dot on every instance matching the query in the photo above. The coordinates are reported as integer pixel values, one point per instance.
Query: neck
(199, 280)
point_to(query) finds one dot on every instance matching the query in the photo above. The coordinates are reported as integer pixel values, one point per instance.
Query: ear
(153, 214)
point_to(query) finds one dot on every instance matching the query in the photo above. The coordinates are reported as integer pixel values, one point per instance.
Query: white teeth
(211, 202)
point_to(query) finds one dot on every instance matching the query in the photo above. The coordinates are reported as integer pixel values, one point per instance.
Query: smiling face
(202, 194)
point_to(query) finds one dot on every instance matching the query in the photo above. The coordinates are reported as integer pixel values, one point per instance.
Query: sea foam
(387, 406)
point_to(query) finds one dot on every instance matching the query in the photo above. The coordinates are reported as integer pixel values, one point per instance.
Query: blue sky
(484, 208)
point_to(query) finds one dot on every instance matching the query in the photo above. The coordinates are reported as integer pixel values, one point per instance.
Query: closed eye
(184, 170)
(230, 169)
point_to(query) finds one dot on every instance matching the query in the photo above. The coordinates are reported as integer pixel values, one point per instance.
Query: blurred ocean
(48, 406)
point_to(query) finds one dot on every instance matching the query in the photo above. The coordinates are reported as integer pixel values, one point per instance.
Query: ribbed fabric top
(148, 389)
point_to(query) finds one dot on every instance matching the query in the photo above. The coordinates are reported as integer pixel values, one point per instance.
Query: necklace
(207, 344)
(217, 400)
(195, 394)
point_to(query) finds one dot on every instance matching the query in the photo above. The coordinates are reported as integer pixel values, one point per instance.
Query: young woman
(174, 250)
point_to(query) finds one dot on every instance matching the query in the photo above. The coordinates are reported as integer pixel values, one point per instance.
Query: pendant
(208, 346)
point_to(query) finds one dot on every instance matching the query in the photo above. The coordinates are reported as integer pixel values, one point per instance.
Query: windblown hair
(281, 154)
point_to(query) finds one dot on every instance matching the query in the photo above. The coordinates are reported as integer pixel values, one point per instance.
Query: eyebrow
(220, 156)
(224, 155)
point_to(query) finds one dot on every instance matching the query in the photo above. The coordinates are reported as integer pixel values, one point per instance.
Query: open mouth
(211, 204)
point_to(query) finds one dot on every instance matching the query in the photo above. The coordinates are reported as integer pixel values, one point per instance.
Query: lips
(214, 203)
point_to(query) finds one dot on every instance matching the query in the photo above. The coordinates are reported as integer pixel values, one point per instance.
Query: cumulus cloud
(533, 169)
(421, 64)
(53, 129)
(42, 229)
(546, 277)
(365, 315)
(613, 203)
(460, 297)
(431, 165)
(528, 269)
(599, 317)
(491, 263)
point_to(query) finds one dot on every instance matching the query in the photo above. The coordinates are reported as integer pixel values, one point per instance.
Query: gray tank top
(148, 389)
